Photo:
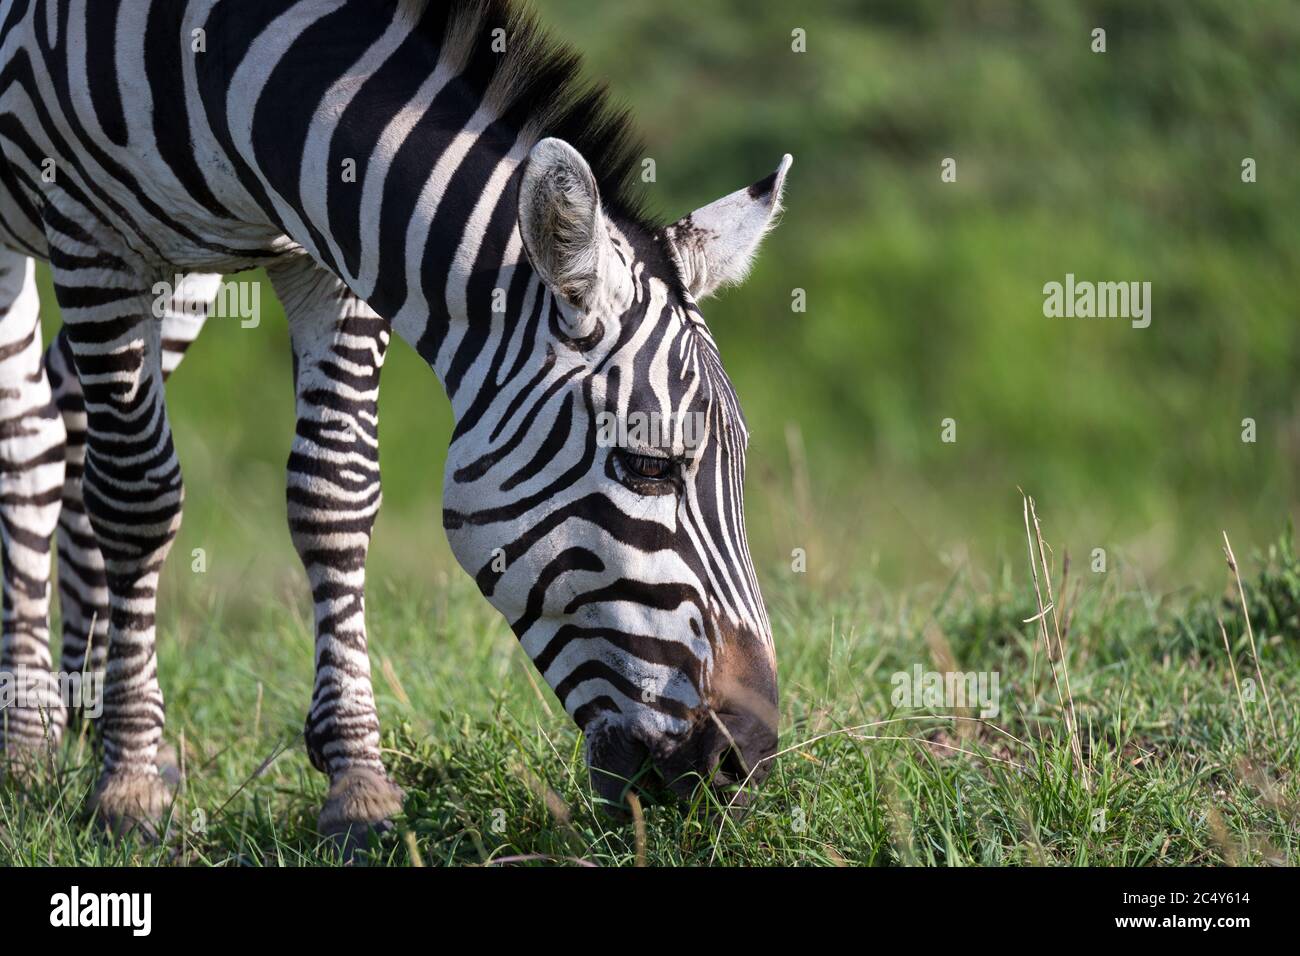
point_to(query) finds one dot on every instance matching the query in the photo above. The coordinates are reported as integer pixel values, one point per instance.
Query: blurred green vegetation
(924, 298)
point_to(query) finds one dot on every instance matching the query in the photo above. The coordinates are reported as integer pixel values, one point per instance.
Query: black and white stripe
(490, 224)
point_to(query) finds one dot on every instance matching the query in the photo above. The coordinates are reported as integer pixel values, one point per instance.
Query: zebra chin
(729, 751)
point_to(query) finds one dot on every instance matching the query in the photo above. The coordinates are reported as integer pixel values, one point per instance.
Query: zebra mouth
(728, 753)
(618, 761)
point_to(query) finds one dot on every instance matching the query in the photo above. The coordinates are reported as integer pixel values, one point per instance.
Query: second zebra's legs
(333, 496)
(31, 480)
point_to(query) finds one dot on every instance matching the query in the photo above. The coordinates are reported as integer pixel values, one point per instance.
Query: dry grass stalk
(1222, 838)
(413, 850)
(527, 667)
(1241, 703)
(394, 684)
(1055, 653)
(1250, 631)
(946, 662)
(899, 820)
(638, 825)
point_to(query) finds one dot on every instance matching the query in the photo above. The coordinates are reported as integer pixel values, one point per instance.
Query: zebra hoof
(360, 803)
(132, 804)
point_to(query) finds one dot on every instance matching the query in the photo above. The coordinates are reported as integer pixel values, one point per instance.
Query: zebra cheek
(482, 551)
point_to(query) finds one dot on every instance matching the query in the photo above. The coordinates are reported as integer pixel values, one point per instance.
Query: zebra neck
(378, 148)
(477, 302)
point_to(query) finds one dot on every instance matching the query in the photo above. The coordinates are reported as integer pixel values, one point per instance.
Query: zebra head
(597, 497)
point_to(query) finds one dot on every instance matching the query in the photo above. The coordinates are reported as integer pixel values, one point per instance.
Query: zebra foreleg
(83, 585)
(333, 496)
(133, 493)
(31, 480)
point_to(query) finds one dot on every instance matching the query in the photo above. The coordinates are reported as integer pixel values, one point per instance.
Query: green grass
(493, 768)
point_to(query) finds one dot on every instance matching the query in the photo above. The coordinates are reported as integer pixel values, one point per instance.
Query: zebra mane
(538, 87)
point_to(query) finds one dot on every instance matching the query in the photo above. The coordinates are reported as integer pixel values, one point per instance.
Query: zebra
(438, 170)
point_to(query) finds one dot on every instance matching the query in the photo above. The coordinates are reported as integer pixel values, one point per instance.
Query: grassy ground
(1179, 770)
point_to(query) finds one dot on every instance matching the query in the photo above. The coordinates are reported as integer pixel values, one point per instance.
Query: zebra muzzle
(729, 751)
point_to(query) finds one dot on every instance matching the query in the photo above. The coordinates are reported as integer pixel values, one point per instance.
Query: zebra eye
(649, 467)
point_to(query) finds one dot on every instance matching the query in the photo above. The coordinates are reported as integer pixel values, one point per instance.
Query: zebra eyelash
(650, 467)
(646, 474)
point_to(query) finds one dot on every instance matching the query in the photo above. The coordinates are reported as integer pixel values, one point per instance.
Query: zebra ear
(715, 245)
(561, 223)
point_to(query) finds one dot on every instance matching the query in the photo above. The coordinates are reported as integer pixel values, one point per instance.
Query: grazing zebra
(438, 169)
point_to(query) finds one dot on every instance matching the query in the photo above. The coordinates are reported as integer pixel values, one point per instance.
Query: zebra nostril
(748, 744)
(731, 768)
